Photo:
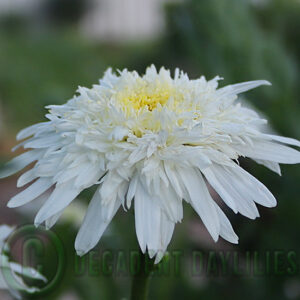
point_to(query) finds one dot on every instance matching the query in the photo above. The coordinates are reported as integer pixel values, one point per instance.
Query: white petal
(26, 271)
(60, 198)
(226, 230)
(20, 162)
(109, 187)
(219, 188)
(118, 133)
(284, 140)
(243, 200)
(28, 131)
(30, 193)
(171, 203)
(239, 88)
(273, 166)
(201, 200)
(26, 177)
(131, 189)
(260, 193)
(52, 220)
(166, 232)
(172, 176)
(93, 224)
(65, 174)
(88, 176)
(266, 150)
(147, 220)
(45, 141)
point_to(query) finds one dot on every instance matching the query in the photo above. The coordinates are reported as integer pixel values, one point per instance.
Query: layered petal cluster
(150, 141)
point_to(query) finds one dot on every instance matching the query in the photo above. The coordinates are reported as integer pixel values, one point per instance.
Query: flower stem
(141, 279)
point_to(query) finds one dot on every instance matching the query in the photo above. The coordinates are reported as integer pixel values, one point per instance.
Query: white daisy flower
(156, 140)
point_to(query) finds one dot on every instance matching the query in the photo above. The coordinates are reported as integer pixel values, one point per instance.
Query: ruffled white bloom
(14, 281)
(154, 139)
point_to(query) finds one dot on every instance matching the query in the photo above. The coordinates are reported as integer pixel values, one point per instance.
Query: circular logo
(36, 255)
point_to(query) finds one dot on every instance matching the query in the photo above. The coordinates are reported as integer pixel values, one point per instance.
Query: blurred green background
(48, 50)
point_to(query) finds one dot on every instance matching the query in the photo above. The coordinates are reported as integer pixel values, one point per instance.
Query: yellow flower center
(144, 95)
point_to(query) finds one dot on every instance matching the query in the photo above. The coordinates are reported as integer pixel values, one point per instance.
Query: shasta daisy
(154, 140)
